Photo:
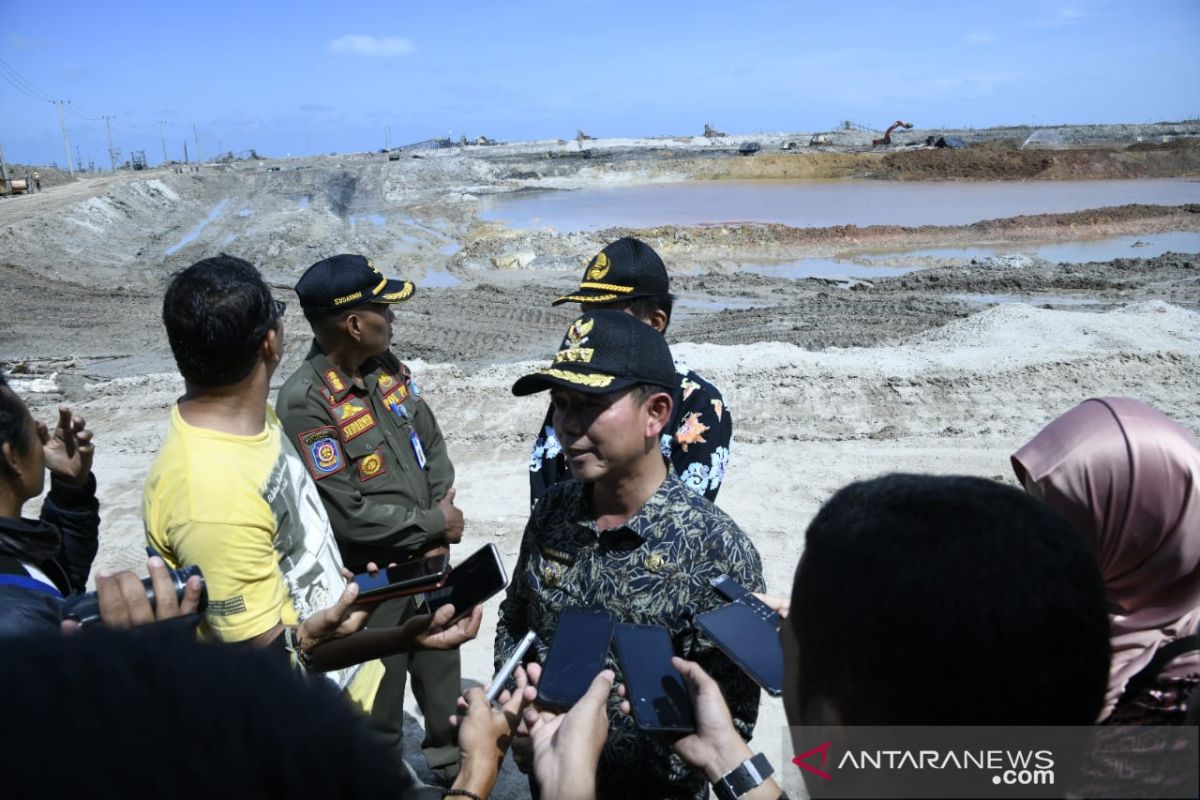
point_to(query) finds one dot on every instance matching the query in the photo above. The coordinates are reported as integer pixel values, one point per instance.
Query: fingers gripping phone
(472, 582)
(749, 640)
(656, 691)
(412, 577)
(576, 656)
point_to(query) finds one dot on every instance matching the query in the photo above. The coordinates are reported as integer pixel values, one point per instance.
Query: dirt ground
(946, 369)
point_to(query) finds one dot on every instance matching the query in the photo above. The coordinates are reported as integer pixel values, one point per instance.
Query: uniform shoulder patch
(371, 466)
(322, 452)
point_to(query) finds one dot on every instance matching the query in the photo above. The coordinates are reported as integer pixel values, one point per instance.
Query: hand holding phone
(576, 656)
(411, 577)
(654, 688)
(471, 583)
(749, 641)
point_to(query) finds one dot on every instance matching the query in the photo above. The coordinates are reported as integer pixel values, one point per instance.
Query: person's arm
(373, 522)
(717, 747)
(513, 623)
(441, 469)
(546, 463)
(567, 746)
(71, 504)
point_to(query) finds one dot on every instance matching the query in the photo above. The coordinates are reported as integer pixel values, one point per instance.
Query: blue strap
(32, 584)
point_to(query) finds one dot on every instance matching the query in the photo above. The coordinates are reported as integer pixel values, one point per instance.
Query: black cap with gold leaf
(605, 351)
(344, 281)
(623, 270)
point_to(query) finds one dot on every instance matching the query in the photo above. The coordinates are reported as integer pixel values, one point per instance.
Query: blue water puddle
(831, 268)
(191, 235)
(437, 279)
(245, 212)
(450, 248)
(1147, 245)
(378, 220)
(302, 202)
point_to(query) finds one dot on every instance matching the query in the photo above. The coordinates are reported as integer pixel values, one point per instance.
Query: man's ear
(658, 320)
(352, 324)
(8, 459)
(271, 349)
(658, 413)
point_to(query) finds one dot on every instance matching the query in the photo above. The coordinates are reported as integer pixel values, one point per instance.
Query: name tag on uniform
(418, 451)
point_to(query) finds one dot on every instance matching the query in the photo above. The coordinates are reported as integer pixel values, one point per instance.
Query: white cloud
(978, 37)
(1060, 18)
(371, 46)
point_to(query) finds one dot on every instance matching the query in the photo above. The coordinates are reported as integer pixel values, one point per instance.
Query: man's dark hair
(949, 600)
(104, 711)
(12, 418)
(217, 312)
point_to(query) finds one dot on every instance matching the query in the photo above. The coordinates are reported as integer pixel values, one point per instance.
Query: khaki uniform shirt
(376, 454)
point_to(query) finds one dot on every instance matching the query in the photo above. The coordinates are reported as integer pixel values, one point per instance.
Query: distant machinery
(887, 136)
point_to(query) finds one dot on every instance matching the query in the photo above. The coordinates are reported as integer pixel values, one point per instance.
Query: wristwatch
(750, 774)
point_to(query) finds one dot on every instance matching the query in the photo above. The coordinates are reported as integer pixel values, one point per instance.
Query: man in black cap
(628, 276)
(626, 534)
(376, 453)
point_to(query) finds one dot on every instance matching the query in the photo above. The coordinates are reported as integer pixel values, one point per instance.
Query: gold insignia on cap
(594, 380)
(396, 297)
(578, 332)
(655, 562)
(598, 268)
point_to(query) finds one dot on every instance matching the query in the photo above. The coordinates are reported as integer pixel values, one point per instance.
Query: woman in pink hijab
(1128, 478)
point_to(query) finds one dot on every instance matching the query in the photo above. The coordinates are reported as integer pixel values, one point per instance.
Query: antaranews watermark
(992, 762)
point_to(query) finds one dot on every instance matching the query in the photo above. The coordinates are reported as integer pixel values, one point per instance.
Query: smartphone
(749, 641)
(655, 689)
(472, 582)
(412, 577)
(732, 590)
(576, 656)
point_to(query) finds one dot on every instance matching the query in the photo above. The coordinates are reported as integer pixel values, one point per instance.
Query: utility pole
(162, 137)
(196, 133)
(112, 158)
(4, 174)
(185, 155)
(387, 138)
(62, 121)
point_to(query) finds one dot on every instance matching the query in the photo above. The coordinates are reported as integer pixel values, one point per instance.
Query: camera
(85, 608)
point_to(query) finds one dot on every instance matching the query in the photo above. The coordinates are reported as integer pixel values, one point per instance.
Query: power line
(26, 86)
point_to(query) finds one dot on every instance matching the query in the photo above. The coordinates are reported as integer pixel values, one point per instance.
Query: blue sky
(301, 77)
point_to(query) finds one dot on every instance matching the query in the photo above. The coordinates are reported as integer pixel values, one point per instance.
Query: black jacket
(28, 605)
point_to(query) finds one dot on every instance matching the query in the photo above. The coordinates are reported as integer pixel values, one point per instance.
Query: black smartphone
(655, 689)
(732, 590)
(472, 582)
(576, 656)
(411, 577)
(749, 641)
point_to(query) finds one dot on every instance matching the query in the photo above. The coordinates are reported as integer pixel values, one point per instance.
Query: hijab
(1128, 478)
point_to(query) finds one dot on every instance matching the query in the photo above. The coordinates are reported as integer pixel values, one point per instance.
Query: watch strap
(748, 775)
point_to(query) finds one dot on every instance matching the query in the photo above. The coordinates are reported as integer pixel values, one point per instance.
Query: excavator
(887, 136)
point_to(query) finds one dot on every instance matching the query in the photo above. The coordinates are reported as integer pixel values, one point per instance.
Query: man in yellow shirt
(228, 494)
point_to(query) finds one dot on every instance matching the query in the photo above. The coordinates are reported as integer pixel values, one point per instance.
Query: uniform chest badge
(322, 451)
(335, 381)
(551, 574)
(655, 562)
(371, 466)
(386, 382)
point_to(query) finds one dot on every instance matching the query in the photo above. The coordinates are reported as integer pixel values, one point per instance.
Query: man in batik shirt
(626, 535)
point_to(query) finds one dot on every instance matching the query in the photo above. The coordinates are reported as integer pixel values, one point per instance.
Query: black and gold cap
(345, 281)
(623, 270)
(605, 351)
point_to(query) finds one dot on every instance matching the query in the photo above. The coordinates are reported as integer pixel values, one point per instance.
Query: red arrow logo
(823, 749)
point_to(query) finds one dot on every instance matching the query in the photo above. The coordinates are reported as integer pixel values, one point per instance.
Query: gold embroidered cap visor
(625, 269)
(570, 377)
